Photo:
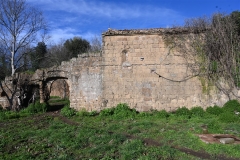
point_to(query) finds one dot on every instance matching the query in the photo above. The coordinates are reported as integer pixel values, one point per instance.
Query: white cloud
(102, 9)
(58, 35)
(69, 18)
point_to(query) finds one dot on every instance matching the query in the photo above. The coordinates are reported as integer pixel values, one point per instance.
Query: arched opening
(58, 90)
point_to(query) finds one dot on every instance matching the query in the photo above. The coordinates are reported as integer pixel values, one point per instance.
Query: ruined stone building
(135, 67)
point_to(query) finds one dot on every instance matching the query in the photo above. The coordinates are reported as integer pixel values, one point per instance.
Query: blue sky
(89, 18)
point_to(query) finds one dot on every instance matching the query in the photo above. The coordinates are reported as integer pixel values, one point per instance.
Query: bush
(67, 111)
(197, 112)
(93, 113)
(37, 107)
(145, 114)
(231, 106)
(214, 126)
(82, 113)
(183, 112)
(107, 112)
(161, 114)
(228, 117)
(123, 111)
(215, 110)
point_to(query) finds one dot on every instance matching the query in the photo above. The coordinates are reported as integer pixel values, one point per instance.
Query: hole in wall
(124, 55)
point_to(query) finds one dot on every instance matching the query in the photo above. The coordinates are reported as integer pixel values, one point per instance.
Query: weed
(83, 112)
(215, 110)
(231, 106)
(37, 107)
(107, 112)
(161, 114)
(183, 112)
(123, 111)
(67, 111)
(197, 112)
(228, 117)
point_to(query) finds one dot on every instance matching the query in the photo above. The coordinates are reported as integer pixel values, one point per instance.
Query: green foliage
(235, 15)
(214, 126)
(107, 112)
(183, 112)
(123, 111)
(132, 149)
(228, 117)
(197, 112)
(67, 111)
(37, 107)
(215, 110)
(76, 46)
(145, 114)
(111, 138)
(231, 106)
(214, 66)
(93, 113)
(82, 113)
(161, 114)
(38, 55)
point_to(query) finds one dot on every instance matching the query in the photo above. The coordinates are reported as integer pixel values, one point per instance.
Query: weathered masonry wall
(84, 79)
(135, 67)
(139, 69)
(80, 79)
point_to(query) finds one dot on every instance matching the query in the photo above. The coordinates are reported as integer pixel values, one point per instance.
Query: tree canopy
(76, 46)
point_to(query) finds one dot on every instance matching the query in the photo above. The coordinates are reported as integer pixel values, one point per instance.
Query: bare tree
(19, 25)
(96, 44)
(211, 49)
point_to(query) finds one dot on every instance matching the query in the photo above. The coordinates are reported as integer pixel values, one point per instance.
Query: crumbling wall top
(159, 31)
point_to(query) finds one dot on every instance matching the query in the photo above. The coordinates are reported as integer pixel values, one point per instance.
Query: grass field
(119, 133)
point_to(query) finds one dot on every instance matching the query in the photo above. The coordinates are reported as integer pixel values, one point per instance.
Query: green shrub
(37, 107)
(93, 113)
(107, 112)
(231, 106)
(11, 115)
(161, 114)
(67, 111)
(228, 117)
(197, 112)
(214, 126)
(82, 113)
(215, 110)
(183, 112)
(123, 111)
(145, 114)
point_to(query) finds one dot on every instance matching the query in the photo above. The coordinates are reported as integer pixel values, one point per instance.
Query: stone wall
(84, 78)
(135, 67)
(139, 69)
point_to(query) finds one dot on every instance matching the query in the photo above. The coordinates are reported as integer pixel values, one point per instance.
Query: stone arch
(58, 87)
